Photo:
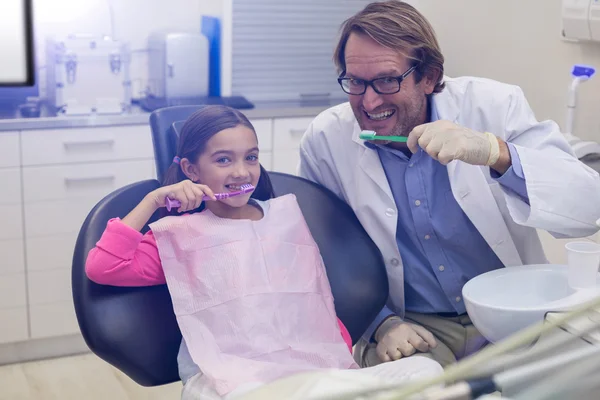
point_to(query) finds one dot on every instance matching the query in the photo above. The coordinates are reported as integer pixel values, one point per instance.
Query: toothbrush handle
(170, 203)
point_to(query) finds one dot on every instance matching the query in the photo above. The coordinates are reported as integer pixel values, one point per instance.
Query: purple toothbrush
(246, 188)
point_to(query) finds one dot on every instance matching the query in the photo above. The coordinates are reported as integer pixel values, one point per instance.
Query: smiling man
(464, 196)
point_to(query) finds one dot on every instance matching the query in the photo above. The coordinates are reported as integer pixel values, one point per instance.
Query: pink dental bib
(251, 298)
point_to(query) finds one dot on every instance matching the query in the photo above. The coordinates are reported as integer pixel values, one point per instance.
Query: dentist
(464, 196)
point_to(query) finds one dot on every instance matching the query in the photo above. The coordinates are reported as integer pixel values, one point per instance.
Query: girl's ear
(189, 169)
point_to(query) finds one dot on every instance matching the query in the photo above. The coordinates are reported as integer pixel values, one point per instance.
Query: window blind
(282, 50)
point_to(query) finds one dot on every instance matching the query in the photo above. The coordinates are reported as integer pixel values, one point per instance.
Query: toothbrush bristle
(247, 187)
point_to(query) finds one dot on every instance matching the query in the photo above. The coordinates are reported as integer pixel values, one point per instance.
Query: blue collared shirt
(440, 248)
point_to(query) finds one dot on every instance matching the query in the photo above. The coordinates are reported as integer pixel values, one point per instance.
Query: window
(282, 50)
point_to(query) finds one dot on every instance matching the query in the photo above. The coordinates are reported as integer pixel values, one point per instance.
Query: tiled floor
(84, 377)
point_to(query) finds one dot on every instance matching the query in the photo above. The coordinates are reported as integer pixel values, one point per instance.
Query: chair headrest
(175, 129)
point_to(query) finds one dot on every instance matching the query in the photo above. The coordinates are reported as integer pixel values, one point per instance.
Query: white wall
(518, 41)
(133, 21)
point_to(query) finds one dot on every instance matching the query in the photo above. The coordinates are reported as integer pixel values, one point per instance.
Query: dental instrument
(372, 135)
(246, 188)
(458, 372)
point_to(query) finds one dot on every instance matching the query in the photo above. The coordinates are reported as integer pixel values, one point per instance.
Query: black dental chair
(135, 329)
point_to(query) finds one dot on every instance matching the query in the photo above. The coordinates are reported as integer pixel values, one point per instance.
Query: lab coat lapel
(472, 192)
(370, 164)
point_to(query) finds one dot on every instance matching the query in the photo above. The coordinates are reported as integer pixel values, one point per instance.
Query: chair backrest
(135, 329)
(165, 143)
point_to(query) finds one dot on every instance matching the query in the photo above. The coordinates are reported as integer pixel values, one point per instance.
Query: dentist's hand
(396, 339)
(446, 141)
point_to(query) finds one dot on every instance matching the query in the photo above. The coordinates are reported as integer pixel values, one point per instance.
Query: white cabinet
(66, 173)
(287, 133)
(13, 292)
(65, 146)
(14, 324)
(51, 179)
(10, 152)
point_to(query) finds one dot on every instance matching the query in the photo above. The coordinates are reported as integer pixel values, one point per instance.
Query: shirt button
(411, 165)
(427, 237)
(417, 203)
(390, 212)
(395, 262)
(458, 299)
(441, 268)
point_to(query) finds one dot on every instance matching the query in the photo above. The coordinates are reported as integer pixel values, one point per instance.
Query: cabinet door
(64, 146)
(55, 319)
(287, 132)
(10, 152)
(286, 161)
(14, 324)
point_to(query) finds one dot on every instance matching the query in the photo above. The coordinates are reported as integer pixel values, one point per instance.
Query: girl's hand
(188, 193)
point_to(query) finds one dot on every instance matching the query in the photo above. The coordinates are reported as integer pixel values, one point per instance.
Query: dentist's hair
(197, 131)
(399, 26)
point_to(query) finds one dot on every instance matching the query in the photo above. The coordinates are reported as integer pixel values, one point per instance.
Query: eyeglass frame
(368, 83)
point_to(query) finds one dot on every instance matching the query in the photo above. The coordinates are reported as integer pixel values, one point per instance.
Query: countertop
(138, 116)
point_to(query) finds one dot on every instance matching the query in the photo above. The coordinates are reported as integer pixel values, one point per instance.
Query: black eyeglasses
(384, 85)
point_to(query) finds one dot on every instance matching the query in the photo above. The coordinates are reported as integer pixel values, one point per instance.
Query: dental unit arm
(581, 148)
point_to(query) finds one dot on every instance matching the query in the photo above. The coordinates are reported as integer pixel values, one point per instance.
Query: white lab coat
(564, 194)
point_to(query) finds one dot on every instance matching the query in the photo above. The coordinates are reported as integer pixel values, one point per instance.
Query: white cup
(583, 259)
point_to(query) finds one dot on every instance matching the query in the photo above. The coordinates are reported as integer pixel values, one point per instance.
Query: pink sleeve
(345, 335)
(125, 257)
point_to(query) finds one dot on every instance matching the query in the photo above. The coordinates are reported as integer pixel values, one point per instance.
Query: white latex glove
(396, 339)
(446, 141)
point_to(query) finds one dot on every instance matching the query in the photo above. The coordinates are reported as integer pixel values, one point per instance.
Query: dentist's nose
(371, 100)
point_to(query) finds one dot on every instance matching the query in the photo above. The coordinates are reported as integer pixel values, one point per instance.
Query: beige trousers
(456, 337)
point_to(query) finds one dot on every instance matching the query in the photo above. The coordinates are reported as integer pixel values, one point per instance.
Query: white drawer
(12, 290)
(12, 258)
(62, 146)
(286, 161)
(11, 221)
(14, 325)
(57, 216)
(50, 252)
(264, 133)
(10, 182)
(10, 152)
(55, 319)
(46, 287)
(287, 132)
(94, 180)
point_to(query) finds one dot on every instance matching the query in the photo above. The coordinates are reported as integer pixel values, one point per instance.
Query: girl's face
(229, 160)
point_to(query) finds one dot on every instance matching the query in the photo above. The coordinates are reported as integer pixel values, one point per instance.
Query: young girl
(247, 281)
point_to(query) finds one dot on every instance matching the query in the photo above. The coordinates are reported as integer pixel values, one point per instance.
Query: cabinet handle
(106, 142)
(84, 179)
(297, 132)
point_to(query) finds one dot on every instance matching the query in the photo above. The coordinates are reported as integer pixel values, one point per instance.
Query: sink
(505, 301)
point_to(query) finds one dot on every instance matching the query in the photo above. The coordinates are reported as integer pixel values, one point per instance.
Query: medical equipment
(371, 135)
(506, 364)
(581, 20)
(581, 148)
(246, 188)
(178, 65)
(529, 292)
(88, 74)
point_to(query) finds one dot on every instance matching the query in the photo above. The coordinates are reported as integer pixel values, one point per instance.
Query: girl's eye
(223, 160)
(252, 157)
